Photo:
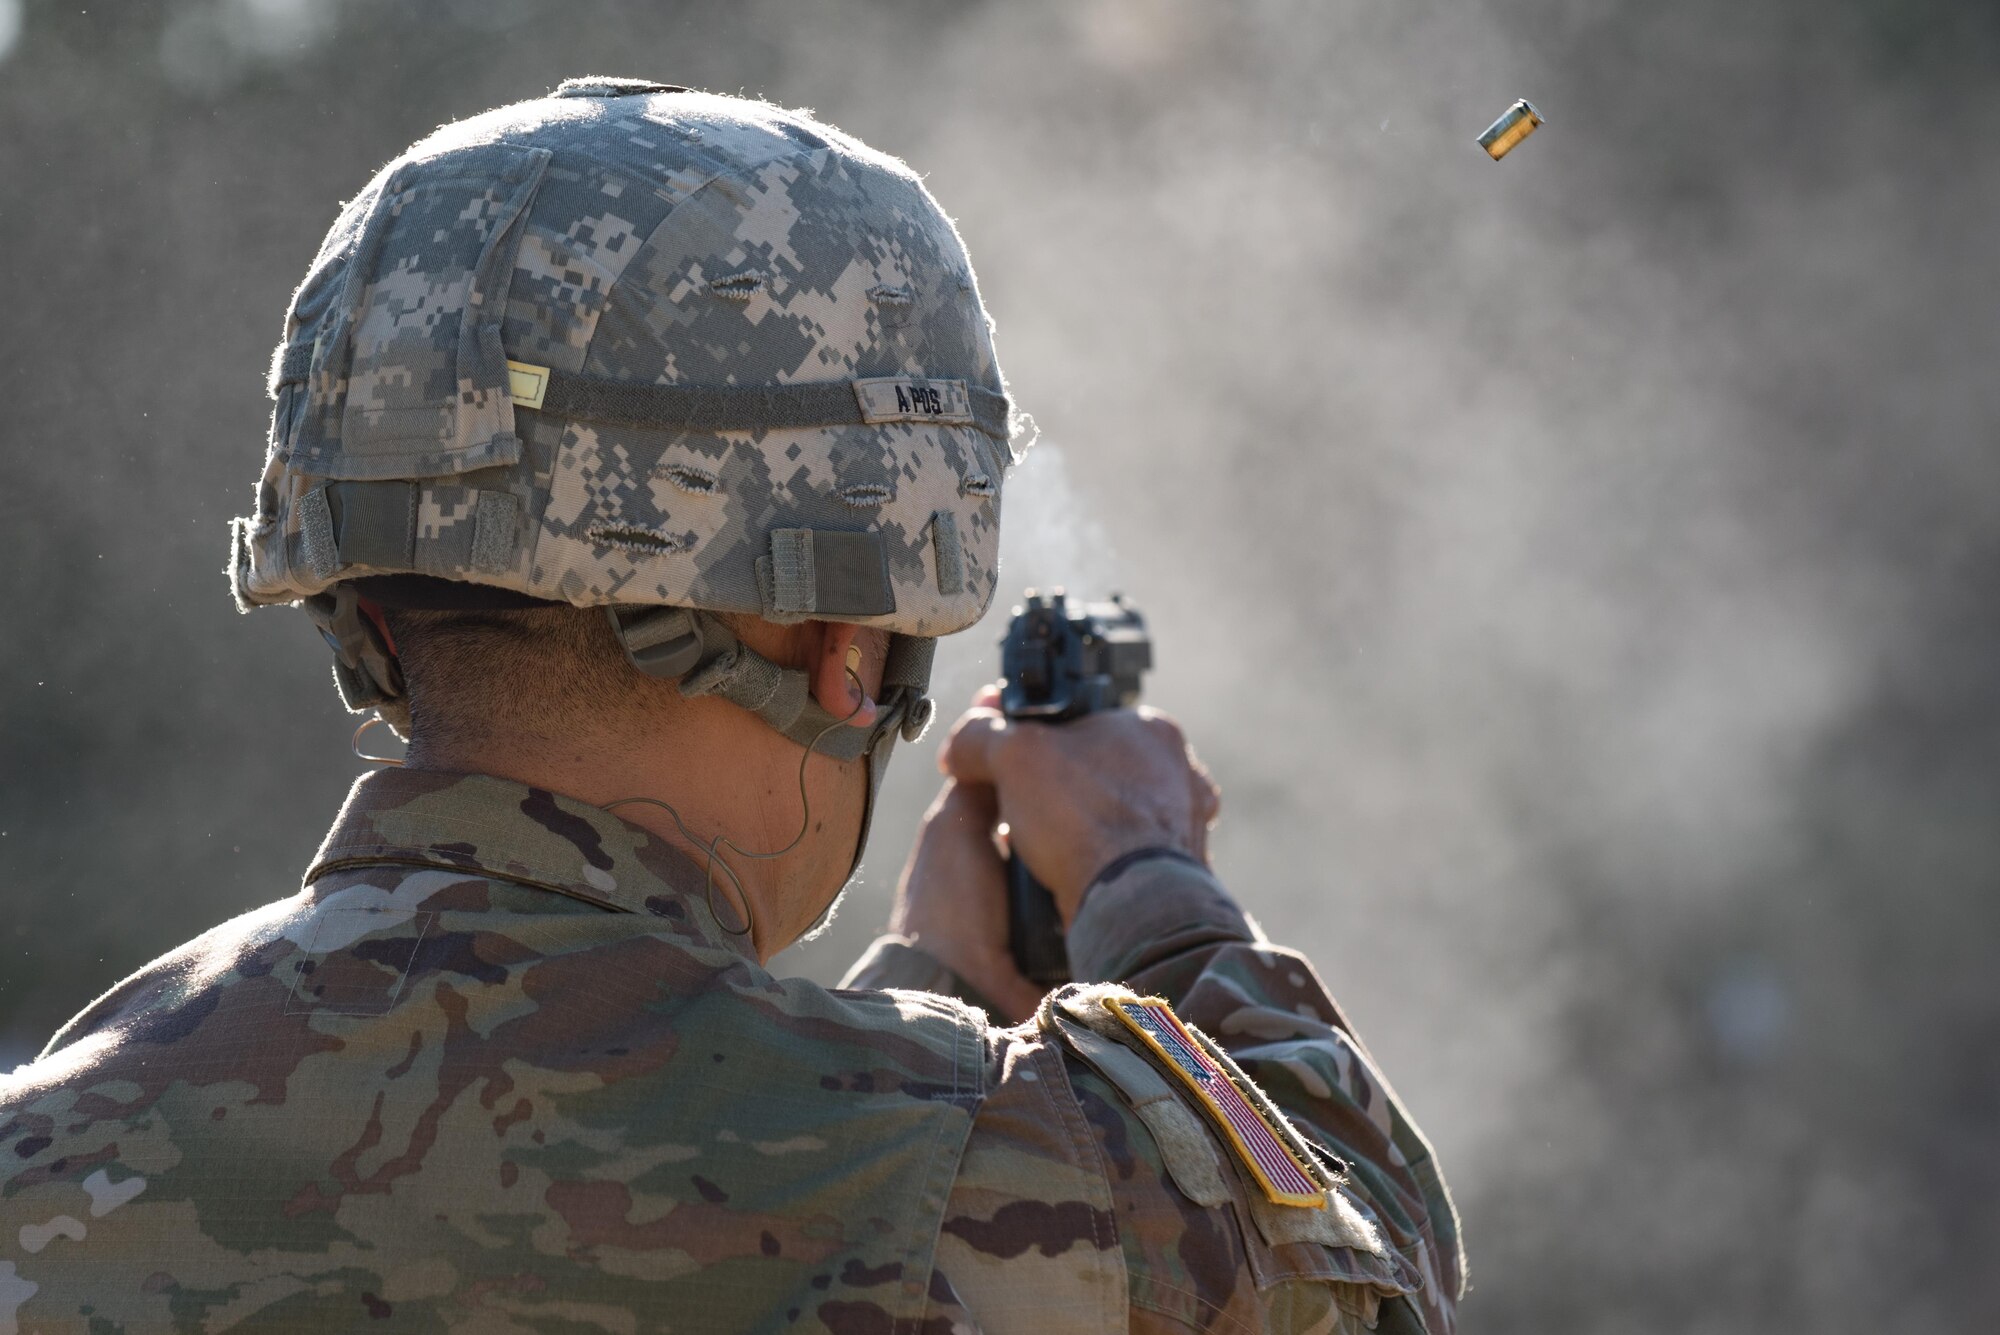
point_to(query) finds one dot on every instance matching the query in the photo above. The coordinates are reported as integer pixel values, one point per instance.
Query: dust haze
(1578, 571)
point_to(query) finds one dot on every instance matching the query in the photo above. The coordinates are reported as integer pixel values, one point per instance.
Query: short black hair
(475, 677)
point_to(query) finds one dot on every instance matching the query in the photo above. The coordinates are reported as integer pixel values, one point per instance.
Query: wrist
(1152, 909)
(1119, 865)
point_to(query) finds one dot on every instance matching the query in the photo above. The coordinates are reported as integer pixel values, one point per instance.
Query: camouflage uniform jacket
(498, 1068)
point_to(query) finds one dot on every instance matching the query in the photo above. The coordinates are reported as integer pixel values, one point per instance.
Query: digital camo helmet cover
(634, 345)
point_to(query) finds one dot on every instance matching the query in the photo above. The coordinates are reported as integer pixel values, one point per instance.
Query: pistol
(1058, 663)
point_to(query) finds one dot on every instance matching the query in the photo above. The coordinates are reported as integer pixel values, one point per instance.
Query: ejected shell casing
(1515, 124)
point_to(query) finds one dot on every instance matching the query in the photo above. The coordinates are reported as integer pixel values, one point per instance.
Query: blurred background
(1578, 570)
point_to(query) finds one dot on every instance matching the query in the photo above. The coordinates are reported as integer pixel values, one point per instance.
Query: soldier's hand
(1076, 796)
(953, 898)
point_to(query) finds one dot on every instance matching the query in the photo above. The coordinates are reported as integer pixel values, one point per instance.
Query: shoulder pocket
(1296, 1251)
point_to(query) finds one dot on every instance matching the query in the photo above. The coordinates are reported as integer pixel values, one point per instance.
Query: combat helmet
(656, 350)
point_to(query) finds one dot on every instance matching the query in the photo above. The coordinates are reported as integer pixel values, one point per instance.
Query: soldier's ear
(846, 669)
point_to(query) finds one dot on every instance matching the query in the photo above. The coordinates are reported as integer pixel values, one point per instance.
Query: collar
(507, 831)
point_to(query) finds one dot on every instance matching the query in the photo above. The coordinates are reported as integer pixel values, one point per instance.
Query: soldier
(631, 448)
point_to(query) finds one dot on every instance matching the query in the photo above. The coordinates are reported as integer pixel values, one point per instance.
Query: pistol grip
(1034, 928)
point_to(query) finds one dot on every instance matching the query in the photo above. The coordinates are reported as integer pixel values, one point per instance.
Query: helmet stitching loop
(641, 540)
(867, 495)
(694, 481)
(736, 286)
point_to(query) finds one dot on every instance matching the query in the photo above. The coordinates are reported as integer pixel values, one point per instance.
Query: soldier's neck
(729, 778)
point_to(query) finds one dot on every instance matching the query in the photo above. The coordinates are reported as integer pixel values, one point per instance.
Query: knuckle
(972, 720)
(967, 738)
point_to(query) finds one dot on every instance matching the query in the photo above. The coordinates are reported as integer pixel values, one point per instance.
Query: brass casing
(1515, 124)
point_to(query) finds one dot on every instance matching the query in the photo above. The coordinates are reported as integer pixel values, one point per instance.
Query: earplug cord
(354, 743)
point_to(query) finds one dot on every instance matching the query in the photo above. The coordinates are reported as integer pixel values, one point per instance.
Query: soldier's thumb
(971, 754)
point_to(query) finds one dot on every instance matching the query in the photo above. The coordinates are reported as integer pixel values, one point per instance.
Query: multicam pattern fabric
(497, 1068)
(645, 238)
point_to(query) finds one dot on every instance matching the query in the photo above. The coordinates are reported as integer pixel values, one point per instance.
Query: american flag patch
(1270, 1160)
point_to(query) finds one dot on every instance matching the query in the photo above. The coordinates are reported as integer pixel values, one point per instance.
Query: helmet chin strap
(698, 649)
(704, 654)
(887, 729)
(364, 666)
